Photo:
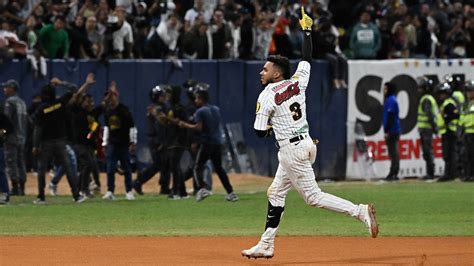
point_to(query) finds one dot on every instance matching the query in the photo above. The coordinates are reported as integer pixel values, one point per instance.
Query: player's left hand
(269, 131)
(306, 22)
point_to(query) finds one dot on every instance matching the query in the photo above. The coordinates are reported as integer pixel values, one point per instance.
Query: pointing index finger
(302, 11)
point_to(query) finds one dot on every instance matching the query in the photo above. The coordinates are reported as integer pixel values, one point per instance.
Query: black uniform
(174, 149)
(156, 141)
(50, 136)
(84, 144)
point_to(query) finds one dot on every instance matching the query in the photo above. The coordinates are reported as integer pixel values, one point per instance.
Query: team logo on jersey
(291, 91)
(258, 107)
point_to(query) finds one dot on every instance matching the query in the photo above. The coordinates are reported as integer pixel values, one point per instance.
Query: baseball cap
(11, 83)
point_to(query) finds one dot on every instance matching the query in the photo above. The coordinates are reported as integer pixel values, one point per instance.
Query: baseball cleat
(261, 250)
(372, 221)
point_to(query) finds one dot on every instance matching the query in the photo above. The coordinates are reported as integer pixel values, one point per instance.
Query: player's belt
(282, 143)
(297, 138)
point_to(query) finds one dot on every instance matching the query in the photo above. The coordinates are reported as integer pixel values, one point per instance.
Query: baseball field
(420, 224)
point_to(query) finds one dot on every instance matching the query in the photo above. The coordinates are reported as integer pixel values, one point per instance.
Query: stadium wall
(234, 88)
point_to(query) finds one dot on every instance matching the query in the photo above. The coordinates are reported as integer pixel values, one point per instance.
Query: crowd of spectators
(230, 29)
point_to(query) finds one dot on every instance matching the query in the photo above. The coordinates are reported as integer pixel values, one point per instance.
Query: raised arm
(306, 25)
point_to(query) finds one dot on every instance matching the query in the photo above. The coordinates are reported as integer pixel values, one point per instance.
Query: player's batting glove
(305, 22)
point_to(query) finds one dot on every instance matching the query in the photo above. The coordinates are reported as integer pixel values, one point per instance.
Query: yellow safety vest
(423, 117)
(453, 124)
(459, 99)
(467, 119)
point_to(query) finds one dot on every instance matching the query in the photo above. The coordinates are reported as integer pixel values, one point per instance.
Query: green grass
(407, 209)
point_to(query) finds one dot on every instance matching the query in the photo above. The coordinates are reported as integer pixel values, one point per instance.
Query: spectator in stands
(262, 39)
(469, 26)
(296, 36)
(164, 40)
(94, 37)
(102, 17)
(247, 36)
(398, 48)
(457, 39)
(325, 43)
(80, 45)
(197, 43)
(54, 39)
(365, 38)
(34, 55)
(221, 36)
(88, 9)
(41, 17)
(193, 13)
(385, 39)
(423, 47)
(141, 25)
(281, 40)
(123, 36)
(12, 12)
(10, 44)
(235, 22)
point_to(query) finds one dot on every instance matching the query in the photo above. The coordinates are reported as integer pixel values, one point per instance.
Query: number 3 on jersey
(295, 111)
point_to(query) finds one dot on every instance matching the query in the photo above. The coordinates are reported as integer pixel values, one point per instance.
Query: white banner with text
(367, 155)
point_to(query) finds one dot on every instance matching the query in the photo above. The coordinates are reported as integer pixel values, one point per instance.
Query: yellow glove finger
(302, 12)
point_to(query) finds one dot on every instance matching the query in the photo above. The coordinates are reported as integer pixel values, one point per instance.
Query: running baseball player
(282, 105)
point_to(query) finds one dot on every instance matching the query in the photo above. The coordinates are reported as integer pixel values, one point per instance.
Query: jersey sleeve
(263, 112)
(302, 74)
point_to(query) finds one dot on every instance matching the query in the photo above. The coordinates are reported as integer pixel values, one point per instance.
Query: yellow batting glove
(306, 22)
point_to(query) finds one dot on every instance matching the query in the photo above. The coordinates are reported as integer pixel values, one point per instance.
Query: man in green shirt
(54, 39)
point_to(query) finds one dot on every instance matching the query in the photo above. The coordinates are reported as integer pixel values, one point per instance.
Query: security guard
(448, 129)
(457, 85)
(428, 119)
(467, 123)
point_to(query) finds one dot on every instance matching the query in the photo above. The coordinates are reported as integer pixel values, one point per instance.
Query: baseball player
(282, 104)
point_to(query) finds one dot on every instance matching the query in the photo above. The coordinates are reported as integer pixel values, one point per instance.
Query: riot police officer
(428, 117)
(448, 129)
(156, 112)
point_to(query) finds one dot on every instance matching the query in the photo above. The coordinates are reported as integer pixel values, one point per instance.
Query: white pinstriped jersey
(283, 105)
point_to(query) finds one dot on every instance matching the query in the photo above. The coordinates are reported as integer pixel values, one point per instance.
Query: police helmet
(454, 80)
(443, 88)
(156, 92)
(201, 86)
(469, 85)
(425, 83)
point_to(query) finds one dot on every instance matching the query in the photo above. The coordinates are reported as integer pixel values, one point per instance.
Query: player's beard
(266, 82)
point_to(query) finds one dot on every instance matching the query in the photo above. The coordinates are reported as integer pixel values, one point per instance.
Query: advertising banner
(367, 155)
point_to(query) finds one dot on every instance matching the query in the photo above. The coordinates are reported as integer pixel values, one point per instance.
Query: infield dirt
(226, 251)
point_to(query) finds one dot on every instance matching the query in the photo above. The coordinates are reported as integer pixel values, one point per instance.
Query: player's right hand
(306, 22)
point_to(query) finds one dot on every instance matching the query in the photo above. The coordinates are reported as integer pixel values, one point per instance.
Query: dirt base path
(226, 251)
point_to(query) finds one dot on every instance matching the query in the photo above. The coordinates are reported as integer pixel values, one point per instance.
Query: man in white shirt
(123, 37)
